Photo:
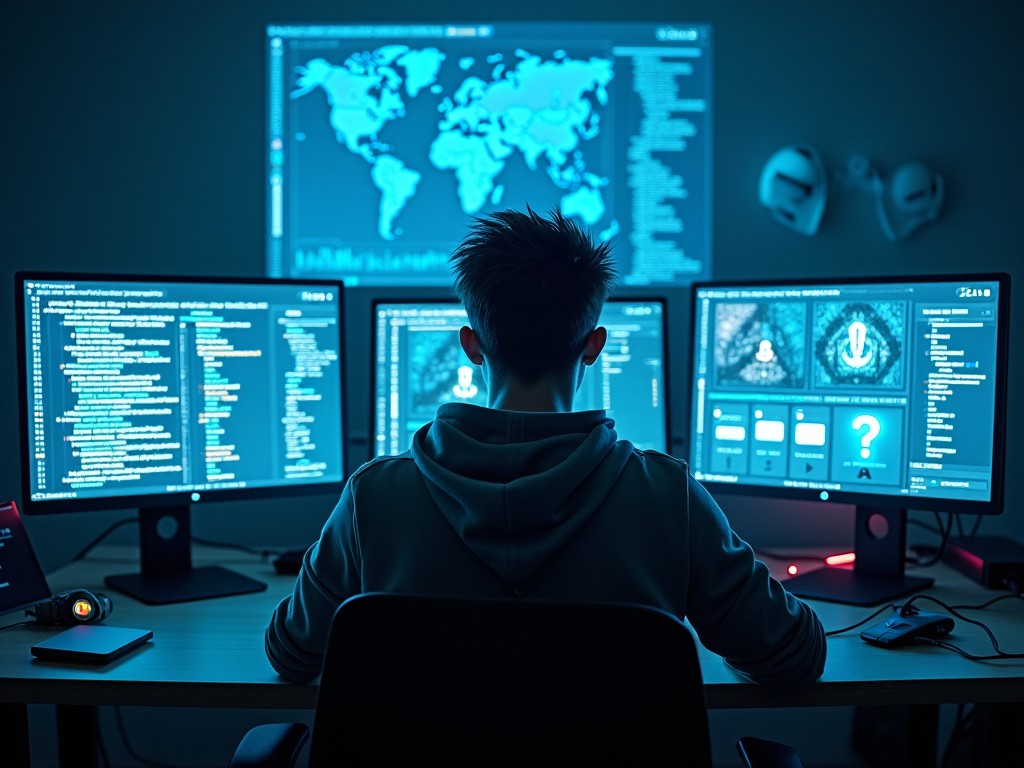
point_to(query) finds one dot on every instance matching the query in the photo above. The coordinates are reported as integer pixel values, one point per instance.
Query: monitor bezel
(994, 506)
(174, 499)
(613, 299)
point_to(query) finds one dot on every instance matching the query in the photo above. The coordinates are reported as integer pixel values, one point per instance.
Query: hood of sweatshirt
(515, 485)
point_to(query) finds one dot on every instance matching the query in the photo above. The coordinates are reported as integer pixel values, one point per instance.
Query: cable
(999, 654)
(974, 529)
(892, 607)
(931, 529)
(130, 749)
(264, 553)
(961, 652)
(101, 747)
(953, 609)
(17, 624)
(941, 531)
(961, 733)
(987, 603)
(109, 530)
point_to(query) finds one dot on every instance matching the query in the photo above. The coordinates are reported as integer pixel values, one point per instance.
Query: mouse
(289, 562)
(904, 629)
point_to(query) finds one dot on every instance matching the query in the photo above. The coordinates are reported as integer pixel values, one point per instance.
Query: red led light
(841, 559)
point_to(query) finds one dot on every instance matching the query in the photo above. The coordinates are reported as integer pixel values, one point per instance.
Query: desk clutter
(24, 587)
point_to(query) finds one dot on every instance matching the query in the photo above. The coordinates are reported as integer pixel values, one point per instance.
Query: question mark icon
(874, 428)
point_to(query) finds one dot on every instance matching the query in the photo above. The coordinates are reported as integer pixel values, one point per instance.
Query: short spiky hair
(533, 288)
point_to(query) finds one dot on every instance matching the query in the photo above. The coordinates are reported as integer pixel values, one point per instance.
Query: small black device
(990, 560)
(904, 629)
(91, 644)
(73, 607)
(289, 562)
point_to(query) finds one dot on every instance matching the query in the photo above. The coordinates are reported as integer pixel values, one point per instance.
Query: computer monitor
(885, 393)
(418, 364)
(160, 393)
(385, 140)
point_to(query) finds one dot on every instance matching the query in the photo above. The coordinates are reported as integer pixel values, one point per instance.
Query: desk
(209, 653)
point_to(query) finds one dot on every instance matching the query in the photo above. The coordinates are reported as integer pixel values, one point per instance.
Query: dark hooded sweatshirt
(491, 503)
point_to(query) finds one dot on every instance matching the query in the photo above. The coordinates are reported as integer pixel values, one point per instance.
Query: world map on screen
(542, 109)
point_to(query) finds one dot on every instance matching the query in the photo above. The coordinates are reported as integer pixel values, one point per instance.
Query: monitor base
(839, 585)
(185, 585)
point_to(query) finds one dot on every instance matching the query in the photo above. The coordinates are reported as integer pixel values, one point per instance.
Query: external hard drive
(91, 643)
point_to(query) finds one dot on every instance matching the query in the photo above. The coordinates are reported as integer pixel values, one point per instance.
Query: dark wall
(133, 139)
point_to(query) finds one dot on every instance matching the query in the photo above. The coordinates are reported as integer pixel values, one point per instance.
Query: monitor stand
(877, 574)
(166, 574)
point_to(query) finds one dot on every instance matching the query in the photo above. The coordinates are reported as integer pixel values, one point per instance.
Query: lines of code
(661, 190)
(142, 388)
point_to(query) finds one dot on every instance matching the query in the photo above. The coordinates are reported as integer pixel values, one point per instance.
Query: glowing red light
(841, 559)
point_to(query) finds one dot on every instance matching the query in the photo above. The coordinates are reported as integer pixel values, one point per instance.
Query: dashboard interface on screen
(419, 364)
(384, 141)
(156, 388)
(881, 388)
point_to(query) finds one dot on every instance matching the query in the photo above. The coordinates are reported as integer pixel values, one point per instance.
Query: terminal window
(139, 388)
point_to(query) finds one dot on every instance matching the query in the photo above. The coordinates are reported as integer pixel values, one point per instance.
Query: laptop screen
(22, 582)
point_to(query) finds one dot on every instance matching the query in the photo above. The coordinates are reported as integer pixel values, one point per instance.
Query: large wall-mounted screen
(383, 141)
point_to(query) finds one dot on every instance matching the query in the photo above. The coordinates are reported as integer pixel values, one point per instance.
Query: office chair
(423, 680)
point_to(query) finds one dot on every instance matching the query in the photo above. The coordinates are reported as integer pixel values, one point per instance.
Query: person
(527, 498)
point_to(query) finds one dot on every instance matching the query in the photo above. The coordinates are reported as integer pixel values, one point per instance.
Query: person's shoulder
(382, 465)
(658, 458)
(656, 464)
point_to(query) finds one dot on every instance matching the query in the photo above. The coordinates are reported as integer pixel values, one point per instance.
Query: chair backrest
(452, 681)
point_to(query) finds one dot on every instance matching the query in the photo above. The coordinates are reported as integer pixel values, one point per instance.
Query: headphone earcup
(75, 606)
(916, 189)
(793, 187)
(914, 193)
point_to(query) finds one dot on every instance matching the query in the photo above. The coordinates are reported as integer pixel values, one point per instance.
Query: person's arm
(741, 612)
(297, 633)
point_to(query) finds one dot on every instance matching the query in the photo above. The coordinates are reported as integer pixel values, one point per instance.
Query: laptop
(22, 581)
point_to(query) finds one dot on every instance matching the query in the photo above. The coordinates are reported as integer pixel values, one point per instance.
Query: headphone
(915, 194)
(76, 606)
(794, 185)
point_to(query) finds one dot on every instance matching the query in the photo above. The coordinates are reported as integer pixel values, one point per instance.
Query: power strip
(988, 560)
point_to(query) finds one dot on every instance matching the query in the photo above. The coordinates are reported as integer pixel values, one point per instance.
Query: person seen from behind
(528, 499)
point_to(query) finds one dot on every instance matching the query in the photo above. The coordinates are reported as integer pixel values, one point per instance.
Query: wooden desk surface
(209, 653)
